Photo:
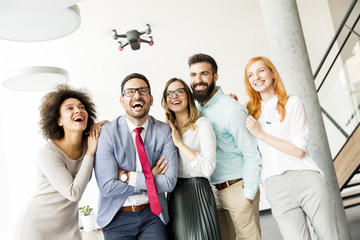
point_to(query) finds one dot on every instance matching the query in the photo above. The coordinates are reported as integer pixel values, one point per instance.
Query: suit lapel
(150, 140)
(126, 140)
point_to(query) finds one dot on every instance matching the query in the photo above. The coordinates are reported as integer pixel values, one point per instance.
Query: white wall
(231, 31)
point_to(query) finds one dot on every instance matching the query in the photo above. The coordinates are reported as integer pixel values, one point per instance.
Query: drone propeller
(121, 46)
(151, 43)
(148, 29)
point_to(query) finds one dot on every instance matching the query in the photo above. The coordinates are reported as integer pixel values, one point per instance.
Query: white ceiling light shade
(37, 5)
(37, 78)
(29, 26)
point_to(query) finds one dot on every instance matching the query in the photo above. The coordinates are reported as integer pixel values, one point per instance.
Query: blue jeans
(142, 225)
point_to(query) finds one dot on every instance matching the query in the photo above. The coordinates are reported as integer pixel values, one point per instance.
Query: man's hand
(249, 200)
(120, 172)
(233, 95)
(161, 166)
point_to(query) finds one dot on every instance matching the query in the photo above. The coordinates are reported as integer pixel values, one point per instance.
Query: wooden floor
(93, 235)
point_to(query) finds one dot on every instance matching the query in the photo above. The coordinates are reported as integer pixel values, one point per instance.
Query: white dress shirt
(294, 128)
(143, 198)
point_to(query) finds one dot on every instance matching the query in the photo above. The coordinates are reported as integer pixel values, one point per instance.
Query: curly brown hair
(50, 110)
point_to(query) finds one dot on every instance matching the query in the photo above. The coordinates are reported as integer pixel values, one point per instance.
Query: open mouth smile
(137, 105)
(78, 119)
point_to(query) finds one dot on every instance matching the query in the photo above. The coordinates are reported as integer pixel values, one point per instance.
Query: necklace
(270, 119)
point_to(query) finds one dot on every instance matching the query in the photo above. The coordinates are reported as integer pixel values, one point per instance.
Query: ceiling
(231, 31)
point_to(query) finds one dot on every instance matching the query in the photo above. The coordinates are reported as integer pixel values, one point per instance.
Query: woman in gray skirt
(192, 206)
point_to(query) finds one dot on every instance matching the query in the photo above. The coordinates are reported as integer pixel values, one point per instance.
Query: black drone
(133, 38)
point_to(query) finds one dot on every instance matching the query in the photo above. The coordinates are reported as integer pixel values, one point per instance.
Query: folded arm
(167, 181)
(106, 169)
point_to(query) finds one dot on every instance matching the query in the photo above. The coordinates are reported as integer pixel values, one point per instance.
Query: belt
(226, 184)
(135, 208)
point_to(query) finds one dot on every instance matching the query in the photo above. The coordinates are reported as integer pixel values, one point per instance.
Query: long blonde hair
(254, 104)
(192, 110)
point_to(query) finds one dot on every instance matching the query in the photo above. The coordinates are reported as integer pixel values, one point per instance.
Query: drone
(133, 38)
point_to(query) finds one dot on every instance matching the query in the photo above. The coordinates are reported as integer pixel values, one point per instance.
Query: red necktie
(149, 177)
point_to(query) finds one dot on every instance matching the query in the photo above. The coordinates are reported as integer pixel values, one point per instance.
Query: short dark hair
(201, 57)
(131, 76)
(50, 110)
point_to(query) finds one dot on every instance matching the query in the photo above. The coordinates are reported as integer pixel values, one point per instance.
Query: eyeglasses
(130, 92)
(178, 92)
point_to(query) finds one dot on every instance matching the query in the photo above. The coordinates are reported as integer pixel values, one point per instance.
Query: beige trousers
(233, 207)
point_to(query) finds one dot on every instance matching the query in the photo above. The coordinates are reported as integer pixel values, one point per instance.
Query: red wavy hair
(254, 104)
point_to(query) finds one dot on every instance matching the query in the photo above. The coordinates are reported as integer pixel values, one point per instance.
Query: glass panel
(339, 95)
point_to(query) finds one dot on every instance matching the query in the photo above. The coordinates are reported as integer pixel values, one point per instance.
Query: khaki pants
(296, 195)
(232, 206)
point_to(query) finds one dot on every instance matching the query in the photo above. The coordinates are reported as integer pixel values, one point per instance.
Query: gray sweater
(52, 212)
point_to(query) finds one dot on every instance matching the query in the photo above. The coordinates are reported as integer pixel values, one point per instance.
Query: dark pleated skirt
(192, 209)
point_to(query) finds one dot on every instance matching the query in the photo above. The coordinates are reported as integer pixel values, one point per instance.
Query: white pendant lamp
(33, 26)
(37, 78)
(37, 5)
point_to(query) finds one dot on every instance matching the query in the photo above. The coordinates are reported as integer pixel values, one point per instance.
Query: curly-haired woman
(64, 165)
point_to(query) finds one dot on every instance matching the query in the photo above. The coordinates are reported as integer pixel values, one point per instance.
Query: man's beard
(203, 95)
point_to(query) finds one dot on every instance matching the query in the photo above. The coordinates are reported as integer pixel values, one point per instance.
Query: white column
(289, 54)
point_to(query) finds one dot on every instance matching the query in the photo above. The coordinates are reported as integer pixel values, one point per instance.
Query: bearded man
(238, 161)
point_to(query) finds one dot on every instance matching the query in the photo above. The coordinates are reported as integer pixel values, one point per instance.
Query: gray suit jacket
(116, 151)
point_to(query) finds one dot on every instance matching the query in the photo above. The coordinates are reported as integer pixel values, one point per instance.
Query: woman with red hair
(294, 184)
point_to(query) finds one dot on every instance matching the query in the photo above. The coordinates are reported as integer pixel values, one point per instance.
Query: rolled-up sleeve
(247, 145)
(300, 125)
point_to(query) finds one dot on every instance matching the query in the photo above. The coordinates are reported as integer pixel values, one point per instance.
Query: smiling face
(202, 81)
(137, 107)
(261, 78)
(73, 115)
(176, 103)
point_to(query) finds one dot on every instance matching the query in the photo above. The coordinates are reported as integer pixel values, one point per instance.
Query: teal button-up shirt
(237, 154)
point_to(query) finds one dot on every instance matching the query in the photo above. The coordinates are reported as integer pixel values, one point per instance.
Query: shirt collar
(271, 102)
(214, 98)
(133, 126)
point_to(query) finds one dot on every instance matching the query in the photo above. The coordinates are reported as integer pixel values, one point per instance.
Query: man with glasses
(132, 203)
(238, 162)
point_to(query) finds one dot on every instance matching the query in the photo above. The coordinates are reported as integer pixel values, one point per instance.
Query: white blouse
(294, 128)
(202, 140)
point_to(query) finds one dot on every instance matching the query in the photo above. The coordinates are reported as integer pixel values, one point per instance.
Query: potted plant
(87, 218)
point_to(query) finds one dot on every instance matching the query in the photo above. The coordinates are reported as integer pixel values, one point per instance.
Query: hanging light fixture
(37, 5)
(36, 78)
(33, 26)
